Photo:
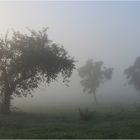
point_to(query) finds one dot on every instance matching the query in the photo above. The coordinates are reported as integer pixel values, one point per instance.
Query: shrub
(85, 115)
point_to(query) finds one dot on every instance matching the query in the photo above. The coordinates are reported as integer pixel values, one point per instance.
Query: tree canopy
(133, 74)
(26, 60)
(93, 74)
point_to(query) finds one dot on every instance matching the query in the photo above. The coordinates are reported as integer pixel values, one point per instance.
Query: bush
(85, 115)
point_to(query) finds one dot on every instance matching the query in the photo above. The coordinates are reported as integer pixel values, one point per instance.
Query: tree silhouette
(93, 74)
(26, 60)
(133, 74)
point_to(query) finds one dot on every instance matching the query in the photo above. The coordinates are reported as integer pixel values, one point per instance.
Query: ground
(104, 125)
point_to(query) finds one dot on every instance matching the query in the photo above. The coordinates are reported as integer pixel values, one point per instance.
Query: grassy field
(104, 125)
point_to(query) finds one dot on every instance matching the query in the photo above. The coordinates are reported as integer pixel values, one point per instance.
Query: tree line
(27, 60)
(93, 74)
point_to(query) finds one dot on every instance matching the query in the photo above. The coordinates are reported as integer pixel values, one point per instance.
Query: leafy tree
(26, 60)
(133, 74)
(93, 74)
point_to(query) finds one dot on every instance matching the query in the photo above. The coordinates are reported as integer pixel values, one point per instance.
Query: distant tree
(93, 74)
(26, 60)
(133, 74)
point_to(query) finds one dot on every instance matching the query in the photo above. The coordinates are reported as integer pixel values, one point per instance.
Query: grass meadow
(121, 124)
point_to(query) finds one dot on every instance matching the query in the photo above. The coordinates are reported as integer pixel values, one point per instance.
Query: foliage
(133, 74)
(26, 60)
(93, 74)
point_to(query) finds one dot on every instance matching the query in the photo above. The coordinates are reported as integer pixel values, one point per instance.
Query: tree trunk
(95, 98)
(6, 102)
(5, 107)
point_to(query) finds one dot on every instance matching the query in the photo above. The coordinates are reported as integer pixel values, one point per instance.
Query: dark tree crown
(26, 60)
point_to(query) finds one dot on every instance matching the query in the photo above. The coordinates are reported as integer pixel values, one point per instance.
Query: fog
(106, 31)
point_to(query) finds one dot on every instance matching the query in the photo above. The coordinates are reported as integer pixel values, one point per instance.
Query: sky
(107, 31)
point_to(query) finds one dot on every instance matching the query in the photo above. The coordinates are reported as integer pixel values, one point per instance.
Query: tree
(27, 60)
(93, 74)
(133, 74)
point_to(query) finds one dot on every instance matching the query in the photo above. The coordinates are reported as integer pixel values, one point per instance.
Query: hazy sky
(107, 31)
